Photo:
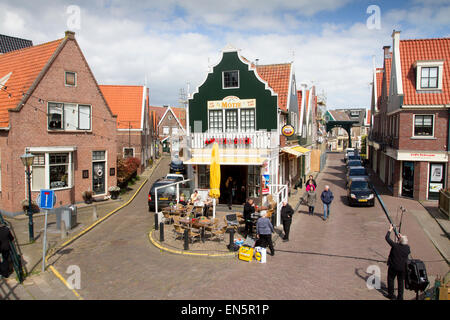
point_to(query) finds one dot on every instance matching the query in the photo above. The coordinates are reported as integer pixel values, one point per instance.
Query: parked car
(354, 157)
(354, 163)
(168, 194)
(174, 176)
(356, 172)
(177, 166)
(360, 192)
(348, 151)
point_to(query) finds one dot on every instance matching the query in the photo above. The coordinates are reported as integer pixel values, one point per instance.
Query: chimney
(387, 54)
(70, 34)
(256, 61)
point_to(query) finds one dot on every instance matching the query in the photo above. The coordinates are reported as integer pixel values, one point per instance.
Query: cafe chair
(219, 233)
(178, 230)
(232, 221)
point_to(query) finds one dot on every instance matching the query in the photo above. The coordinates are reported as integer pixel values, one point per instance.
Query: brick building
(131, 105)
(409, 140)
(51, 106)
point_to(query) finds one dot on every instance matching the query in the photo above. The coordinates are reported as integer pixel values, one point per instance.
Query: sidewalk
(40, 285)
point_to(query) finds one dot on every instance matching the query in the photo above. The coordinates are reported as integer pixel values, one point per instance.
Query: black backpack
(416, 275)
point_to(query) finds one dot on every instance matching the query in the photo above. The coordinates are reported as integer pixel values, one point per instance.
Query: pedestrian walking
(286, 217)
(249, 208)
(264, 230)
(310, 199)
(310, 185)
(398, 257)
(311, 179)
(327, 198)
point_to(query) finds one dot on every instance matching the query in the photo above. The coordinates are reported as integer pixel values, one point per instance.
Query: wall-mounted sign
(265, 184)
(421, 156)
(232, 102)
(287, 130)
(246, 141)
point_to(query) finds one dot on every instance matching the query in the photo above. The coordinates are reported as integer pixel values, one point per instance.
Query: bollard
(161, 232)
(94, 213)
(156, 221)
(63, 229)
(231, 245)
(186, 239)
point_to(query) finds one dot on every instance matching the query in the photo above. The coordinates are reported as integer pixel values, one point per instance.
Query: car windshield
(163, 191)
(359, 185)
(358, 172)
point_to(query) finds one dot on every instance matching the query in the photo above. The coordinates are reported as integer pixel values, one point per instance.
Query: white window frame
(63, 117)
(65, 79)
(429, 64)
(414, 126)
(47, 171)
(164, 130)
(123, 152)
(215, 130)
(223, 80)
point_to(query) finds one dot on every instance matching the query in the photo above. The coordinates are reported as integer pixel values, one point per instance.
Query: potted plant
(87, 196)
(34, 207)
(114, 191)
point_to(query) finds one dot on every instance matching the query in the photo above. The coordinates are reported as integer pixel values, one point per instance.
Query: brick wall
(29, 129)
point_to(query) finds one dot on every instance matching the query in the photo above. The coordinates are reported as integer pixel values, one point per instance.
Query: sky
(170, 44)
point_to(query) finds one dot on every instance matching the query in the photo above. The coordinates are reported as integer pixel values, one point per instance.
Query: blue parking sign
(46, 199)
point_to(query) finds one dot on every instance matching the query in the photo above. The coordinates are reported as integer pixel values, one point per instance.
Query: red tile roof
(278, 78)
(424, 49)
(299, 101)
(25, 65)
(368, 119)
(126, 103)
(379, 78)
(158, 114)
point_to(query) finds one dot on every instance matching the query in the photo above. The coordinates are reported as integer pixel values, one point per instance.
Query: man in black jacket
(286, 217)
(5, 237)
(397, 263)
(249, 208)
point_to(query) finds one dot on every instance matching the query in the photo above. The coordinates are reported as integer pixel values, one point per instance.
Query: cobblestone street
(323, 260)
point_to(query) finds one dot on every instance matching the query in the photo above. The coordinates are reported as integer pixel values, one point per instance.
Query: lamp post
(27, 160)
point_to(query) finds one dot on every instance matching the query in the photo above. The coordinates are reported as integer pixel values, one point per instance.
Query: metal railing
(169, 185)
(241, 140)
(280, 192)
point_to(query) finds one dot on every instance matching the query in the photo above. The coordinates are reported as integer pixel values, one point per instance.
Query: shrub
(126, 169)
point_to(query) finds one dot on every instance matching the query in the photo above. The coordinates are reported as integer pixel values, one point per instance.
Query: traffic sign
(47, 199)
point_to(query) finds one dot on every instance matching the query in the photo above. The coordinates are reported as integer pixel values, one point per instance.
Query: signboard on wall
(232, 102)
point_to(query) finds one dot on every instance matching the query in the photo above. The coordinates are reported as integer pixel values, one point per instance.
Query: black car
(354, 172)
(360, 192)
(354, 157)
(177, 166)
(165, 195)
(354, 163)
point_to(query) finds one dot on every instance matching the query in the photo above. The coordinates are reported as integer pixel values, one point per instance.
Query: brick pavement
(323, 260)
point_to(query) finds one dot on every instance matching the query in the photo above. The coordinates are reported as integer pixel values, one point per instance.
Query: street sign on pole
(44, 246)
(46, 199)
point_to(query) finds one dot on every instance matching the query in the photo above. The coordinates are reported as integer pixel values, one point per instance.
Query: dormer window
(429, 75)
(230, 79)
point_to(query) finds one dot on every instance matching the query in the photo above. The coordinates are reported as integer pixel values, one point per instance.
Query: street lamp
(27, 160)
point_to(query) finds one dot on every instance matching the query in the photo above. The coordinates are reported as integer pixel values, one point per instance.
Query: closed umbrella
(214, 176)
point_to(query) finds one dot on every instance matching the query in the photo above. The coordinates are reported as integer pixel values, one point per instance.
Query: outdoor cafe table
(201, 224)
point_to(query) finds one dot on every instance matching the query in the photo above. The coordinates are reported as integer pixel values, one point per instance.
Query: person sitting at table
(207, 204)
(194, 197)
(264, 230)
(182, 200)
(249, 208)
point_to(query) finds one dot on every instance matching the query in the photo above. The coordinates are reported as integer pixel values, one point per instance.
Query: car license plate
(178, 172)
(362, 200)
(163, 198)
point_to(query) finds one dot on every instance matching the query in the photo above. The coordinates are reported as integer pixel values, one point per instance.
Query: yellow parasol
(214, 173)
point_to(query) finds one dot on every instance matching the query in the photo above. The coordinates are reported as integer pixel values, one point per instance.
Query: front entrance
(98, 172)
(246, 183)
(436, 180)
(408, 179)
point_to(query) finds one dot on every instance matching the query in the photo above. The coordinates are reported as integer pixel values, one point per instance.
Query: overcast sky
(171, 43)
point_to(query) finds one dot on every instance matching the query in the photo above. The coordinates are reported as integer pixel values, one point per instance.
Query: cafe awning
(228, 160)
(296, 151)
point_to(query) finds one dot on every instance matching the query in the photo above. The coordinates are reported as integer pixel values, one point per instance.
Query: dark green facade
(250, 87)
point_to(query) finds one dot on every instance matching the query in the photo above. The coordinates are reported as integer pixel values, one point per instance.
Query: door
(98, 178)
(436, 180)
(408, 179)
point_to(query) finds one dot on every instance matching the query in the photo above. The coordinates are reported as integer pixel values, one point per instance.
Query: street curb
(56, 250)
(212, 255)
(437, 221)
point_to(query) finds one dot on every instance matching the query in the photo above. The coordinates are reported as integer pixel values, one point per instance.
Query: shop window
(423, 125)
(231, 118)
(215, 121)
(71, 79)
(59, 170)
(231, 79)
(247, 120)
(203, 177)
(254, 181)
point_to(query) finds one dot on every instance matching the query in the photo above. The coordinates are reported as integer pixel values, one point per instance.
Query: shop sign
(422, 156)
(265, 181)
(232, 102)
(287, 130)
